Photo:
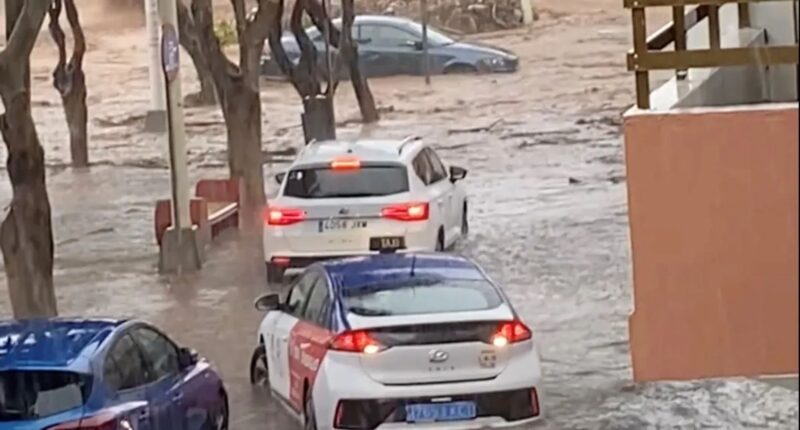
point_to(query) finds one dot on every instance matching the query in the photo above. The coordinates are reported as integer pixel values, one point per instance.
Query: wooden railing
(648, 54)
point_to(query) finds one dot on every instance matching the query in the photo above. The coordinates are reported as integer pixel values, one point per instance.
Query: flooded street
(547, 216)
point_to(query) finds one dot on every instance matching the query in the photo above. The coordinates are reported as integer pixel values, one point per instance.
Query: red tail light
(511, 332)
(283, 216)
(407, 212)
(346, 163)
(358, 341)
(99, 422)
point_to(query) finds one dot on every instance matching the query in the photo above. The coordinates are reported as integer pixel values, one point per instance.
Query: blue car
(390, 45)
(98, 374)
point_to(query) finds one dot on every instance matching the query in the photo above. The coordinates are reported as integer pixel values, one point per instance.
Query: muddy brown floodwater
(548, 214)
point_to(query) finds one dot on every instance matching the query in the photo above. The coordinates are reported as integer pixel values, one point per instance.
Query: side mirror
(280, 177)
(413, 44)
(187, 358)
(457, 173)
(268, 302)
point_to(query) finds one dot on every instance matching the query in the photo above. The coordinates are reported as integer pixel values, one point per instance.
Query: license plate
(341, 224)
(432, 412)
(388, 243)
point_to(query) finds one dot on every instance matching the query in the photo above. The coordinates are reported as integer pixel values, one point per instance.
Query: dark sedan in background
(390, 45)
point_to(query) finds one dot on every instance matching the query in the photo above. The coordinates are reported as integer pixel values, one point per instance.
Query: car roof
(360, 272)
(56, 343)
(374, 150)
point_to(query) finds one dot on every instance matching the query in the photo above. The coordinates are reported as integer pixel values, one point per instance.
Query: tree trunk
(77, 117)
(318, 119)
(26, 236)
(241, 108)
(190, 41)
(208, 94)
(70, 81)
(366, 102)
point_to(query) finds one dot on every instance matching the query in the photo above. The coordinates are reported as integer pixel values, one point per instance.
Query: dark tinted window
(127, 368)
(422, 168)
(438, 172)
(422, 295)
(26, 395)
(160, 353)
(318, 183)
(317, 302)
(384, 35)
(298, 296)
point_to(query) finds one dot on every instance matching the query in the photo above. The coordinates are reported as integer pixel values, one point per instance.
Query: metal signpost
(156, 119)
(426, 68)
(180, 250)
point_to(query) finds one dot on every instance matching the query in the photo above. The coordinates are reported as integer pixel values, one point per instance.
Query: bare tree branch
(79, 40)
(58, 34)
(23, 38)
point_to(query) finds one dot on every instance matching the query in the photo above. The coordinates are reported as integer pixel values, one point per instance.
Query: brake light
(283, 216)
(346, 163)
(107, 421)
(510, 332)
(358, 341)
(407, 212)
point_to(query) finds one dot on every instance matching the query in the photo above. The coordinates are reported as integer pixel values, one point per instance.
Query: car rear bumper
(340, 378)
(278, 245)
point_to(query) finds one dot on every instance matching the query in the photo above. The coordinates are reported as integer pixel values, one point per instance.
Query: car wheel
(440, 241)
(310, 422)
(219, 419)
(460, 69)
(275, 273)
(464, 222)
(259, 372)
(224, 415)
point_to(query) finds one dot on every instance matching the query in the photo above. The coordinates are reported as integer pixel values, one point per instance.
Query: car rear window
(26, 395)
(367, 181)
(421, 296)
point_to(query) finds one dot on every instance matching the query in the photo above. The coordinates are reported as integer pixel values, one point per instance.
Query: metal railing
(648, 52)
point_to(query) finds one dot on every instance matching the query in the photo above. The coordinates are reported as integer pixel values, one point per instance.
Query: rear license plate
(341, 224)
(387, 243)
(432, 412)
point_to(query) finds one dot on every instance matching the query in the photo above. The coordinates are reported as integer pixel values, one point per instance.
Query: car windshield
(367, 181)
(28, 395)
(421, 295)
(435, 36)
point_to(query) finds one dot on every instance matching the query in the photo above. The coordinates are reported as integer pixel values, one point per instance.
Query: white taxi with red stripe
(355, 198)
(419, 341)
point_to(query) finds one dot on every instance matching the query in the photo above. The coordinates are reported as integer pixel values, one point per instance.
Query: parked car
(390, 45)
(69, 374)
(398, 341)
(342, 198)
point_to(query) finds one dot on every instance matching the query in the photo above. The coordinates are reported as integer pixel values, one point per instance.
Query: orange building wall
(713, 206)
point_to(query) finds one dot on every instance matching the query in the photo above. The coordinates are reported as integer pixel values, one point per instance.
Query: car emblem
(343, 211)
(437, 356)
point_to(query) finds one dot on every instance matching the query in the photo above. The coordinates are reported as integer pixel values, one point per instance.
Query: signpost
(426, 65)
(180, 249)
(156, 119)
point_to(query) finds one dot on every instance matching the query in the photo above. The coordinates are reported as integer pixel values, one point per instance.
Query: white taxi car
(418, 341)
(343, 199)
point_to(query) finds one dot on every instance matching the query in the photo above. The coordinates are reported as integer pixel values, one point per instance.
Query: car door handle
(177, 396)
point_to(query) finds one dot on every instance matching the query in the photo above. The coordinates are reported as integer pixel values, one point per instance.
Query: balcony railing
(648, 52)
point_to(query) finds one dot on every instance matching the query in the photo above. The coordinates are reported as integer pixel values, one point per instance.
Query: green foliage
(226, 33)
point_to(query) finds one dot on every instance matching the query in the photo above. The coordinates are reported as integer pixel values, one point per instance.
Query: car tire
(440, 241)
(464, 222)
(275, 273)
(309, 415)
(460, 69)
(220, 420)
(259, 370)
